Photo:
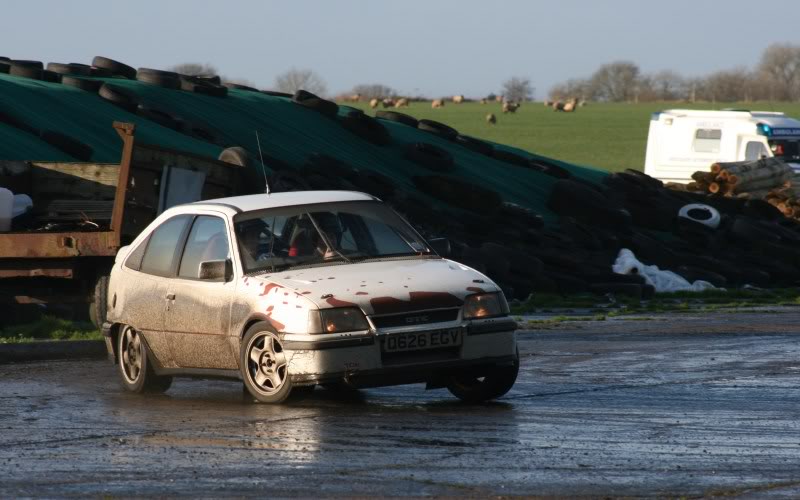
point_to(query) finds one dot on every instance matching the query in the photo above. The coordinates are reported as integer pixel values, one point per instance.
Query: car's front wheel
(494, 383)
(134, 364)
(265, 369)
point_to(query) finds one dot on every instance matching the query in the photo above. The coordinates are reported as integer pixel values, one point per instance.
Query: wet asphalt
(675, 405)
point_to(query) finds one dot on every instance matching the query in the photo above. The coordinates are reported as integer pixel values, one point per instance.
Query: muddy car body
(300, 289)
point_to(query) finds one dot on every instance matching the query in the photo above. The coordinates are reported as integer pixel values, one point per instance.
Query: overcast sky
(427, 46)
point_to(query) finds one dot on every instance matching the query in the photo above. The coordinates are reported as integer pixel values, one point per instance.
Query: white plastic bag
(663, 281)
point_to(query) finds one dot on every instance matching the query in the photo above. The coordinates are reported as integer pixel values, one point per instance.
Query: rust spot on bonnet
(306, 293)
(362, 293)
(475, 289)
(269, 287)
(338, 303)
(416, 302)
(331, 278)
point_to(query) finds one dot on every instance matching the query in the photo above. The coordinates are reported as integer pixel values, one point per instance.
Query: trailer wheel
(98, 309)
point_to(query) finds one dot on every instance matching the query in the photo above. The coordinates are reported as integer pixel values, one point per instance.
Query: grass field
(604, 135)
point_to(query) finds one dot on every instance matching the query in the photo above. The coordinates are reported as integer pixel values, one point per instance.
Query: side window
(162, 246)
(754, 151)
(134, 260)
(208, 240)
(707, 140)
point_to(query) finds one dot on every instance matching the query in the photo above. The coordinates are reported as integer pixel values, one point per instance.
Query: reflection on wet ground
(693, 405)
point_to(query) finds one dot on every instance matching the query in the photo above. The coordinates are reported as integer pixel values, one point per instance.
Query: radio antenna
(263, 167)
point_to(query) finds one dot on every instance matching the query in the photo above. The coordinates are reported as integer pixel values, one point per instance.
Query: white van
(683, 141)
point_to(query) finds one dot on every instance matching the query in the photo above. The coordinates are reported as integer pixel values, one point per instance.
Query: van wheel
(496, 382)
(265, 369)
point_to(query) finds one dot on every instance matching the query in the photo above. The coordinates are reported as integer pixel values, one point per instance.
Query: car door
(148, 269)
(198, 310)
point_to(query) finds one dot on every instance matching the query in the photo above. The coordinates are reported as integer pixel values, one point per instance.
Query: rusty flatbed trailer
(85, 212)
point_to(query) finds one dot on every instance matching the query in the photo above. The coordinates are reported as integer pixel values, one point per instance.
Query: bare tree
(668, 85)
(297, 79)
(374, 91)
(518, 89)
(728, 86)
(575, 87)
(781, 62)
(195, 69)
(616, 82)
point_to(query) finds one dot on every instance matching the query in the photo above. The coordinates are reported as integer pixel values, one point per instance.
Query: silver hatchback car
(293, 290)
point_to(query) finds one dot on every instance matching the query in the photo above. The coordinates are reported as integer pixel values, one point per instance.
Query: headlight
(485, 305)
(338, 320)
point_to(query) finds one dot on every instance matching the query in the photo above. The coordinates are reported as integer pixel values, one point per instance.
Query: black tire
(579, 200)
(202, 86)
(375, 184)
(437, 128)
(69, 69)
(394, 116)
(159, 116)
(367, 128)
(329, 166)
(475, 145)
(100, 72)
(4, 68)
(50, 76)
(144, 378)
(115, 67)
(239, 86)
(98, 309)
(18, 123)
(67, 144)
(287, 180)
(495, 383)
(25, 71)
(761, 209)
(165, 79)
(28, 63)
(318, 104)
(119, 96)
(509, 157)
(92, 86)
(511, 213)
(749, 230)
(212, 79)
(549, 168)
(275, 93)
(237, 155)
(458, 193)
(430, 156)
(267, 377)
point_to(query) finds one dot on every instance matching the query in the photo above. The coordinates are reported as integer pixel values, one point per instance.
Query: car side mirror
(441, 246)
(216, 270)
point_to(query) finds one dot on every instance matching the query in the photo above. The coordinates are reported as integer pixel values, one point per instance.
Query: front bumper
(361, 362)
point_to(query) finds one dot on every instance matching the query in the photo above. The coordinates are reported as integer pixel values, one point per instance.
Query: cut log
(701, 176)
(774, 171)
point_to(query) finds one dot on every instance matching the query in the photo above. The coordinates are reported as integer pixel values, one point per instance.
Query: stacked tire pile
(726, 240)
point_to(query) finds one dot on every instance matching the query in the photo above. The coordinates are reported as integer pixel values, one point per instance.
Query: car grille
(415, 318)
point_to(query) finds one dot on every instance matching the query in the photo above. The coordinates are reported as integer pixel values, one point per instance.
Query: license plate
(415, 341)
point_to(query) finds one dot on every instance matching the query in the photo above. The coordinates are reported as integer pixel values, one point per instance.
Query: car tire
(510, 157)
(430, 156)
(99, 305)
(437, 128)
(119, 96)
(133, 362)
(394, 116)
(366, 127)
(82, 83)
(265, 369)
(497, 382)
(165, 79)
(475, 145)
(115, 67)
(311, 101)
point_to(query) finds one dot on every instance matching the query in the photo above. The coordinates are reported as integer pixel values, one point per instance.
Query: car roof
(250, 202)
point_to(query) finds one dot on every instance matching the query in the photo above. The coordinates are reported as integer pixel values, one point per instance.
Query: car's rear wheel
(497, 381)
(134, 364)
(265, 369)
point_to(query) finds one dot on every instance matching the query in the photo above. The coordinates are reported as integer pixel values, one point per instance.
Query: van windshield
(280, 238)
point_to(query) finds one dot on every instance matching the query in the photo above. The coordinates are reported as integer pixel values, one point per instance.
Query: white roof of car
(261, 201)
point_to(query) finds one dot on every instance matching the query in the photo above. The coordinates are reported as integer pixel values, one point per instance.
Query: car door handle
(170, 296)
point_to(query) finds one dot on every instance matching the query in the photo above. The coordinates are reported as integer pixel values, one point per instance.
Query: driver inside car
(308, 240)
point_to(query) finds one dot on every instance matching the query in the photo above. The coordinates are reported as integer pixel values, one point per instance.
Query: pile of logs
(745, 179)
(766, 179)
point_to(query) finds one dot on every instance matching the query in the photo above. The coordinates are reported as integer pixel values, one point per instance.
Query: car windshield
(279, 238)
